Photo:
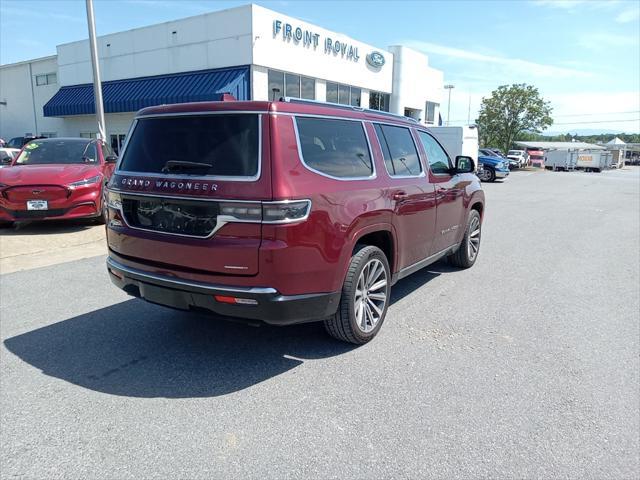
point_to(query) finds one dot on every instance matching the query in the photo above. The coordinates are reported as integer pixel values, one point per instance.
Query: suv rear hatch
(188, 190)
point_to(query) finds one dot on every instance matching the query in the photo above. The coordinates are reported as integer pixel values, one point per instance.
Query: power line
(593, 114)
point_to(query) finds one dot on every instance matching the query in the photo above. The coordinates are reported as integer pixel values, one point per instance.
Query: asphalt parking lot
(524, 366)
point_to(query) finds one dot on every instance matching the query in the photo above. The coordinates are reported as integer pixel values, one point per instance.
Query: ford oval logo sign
(375, 59)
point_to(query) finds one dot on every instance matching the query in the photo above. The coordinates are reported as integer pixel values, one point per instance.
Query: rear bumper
(271, 307)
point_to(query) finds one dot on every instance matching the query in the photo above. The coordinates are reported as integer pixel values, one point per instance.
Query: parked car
(7, 155)
(285, 212)
(19, 142)
(519, 156)
(492, 168)
(56, 178)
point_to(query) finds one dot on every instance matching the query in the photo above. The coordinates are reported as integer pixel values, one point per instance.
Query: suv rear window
(217, 145)
(399, 151)
(337, 148)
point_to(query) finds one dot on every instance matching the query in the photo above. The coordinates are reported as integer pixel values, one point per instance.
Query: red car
(56, 178)
(285, 212)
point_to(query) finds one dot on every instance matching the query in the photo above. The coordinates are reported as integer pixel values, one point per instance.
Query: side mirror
(464, 164)
(111, 159)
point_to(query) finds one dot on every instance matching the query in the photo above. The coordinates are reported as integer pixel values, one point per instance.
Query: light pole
(449, 87)
(97, 85)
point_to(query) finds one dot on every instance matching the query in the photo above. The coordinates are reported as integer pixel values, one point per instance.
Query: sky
(582, 55)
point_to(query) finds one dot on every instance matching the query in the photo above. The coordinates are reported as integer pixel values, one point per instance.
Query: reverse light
(86, 181)
(242, 211)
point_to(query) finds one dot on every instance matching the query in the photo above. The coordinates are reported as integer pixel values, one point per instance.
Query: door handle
(399, 196)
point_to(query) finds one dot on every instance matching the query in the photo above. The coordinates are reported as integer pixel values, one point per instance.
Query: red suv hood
(47, 174)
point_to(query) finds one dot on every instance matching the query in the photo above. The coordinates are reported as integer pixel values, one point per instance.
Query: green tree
(509, 112)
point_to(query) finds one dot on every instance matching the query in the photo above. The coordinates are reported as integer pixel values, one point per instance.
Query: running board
(406, 271)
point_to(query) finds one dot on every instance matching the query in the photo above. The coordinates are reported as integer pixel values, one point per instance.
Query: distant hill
(584, 135)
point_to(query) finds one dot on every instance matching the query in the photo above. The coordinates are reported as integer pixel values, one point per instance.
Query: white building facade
(251, 52)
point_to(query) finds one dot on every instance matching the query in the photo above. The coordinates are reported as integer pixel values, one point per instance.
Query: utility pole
(469, 111)
(449, 87)
(97, 84)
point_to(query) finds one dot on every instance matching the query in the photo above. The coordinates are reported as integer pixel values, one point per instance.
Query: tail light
(277, 212)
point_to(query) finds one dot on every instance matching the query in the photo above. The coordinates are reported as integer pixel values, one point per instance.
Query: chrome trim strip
(221, 220)
(253, 178)
(318, 172)
(422, 172)
(111, 263)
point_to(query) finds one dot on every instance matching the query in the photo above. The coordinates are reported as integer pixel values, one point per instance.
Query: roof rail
(347, 107)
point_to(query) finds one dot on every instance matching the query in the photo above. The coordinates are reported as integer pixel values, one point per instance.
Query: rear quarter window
(225, 145)
(398, 150)
(337, 148)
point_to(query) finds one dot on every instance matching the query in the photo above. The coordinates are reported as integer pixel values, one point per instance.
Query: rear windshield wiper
(180, 165)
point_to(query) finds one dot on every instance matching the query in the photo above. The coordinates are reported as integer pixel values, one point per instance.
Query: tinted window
(335, 147)
(226, 145)
(438, 158)
(57, 152)
(399, 151)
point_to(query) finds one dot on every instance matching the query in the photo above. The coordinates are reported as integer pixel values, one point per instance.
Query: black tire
(491, 175)
(7, 224)
(343, 325)
(464, 256)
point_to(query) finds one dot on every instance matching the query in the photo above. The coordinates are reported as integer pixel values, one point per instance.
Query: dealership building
(251, 52)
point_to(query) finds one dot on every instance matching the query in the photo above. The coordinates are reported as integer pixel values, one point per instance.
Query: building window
(308, 87)
(276, 85)
(88, 134)
(292, 85)
(332, 92)
(379, 101)
(283, 84)
(430, 110)
(117, 141)
(49, 134)
(343, 94)
(46, 79)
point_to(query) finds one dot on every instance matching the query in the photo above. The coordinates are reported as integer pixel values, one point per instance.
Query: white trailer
(593, 161)
(560, 160)
(458, 141)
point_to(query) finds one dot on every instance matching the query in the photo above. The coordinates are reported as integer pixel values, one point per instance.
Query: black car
(19, 142)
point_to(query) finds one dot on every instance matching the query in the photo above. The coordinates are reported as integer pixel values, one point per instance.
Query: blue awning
(130, 95)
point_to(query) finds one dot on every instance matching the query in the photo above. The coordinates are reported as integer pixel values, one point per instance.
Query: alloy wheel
(371, 295)
(473, 243)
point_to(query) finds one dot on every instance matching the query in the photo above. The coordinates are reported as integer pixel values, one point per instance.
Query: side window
(90, 153)
(399, 151)
(334, 147)
(438, 159)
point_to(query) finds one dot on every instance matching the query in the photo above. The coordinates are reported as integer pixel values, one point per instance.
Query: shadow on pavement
(48, 227)
(137, 349)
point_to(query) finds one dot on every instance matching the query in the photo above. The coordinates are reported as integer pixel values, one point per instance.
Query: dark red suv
(285, 212)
